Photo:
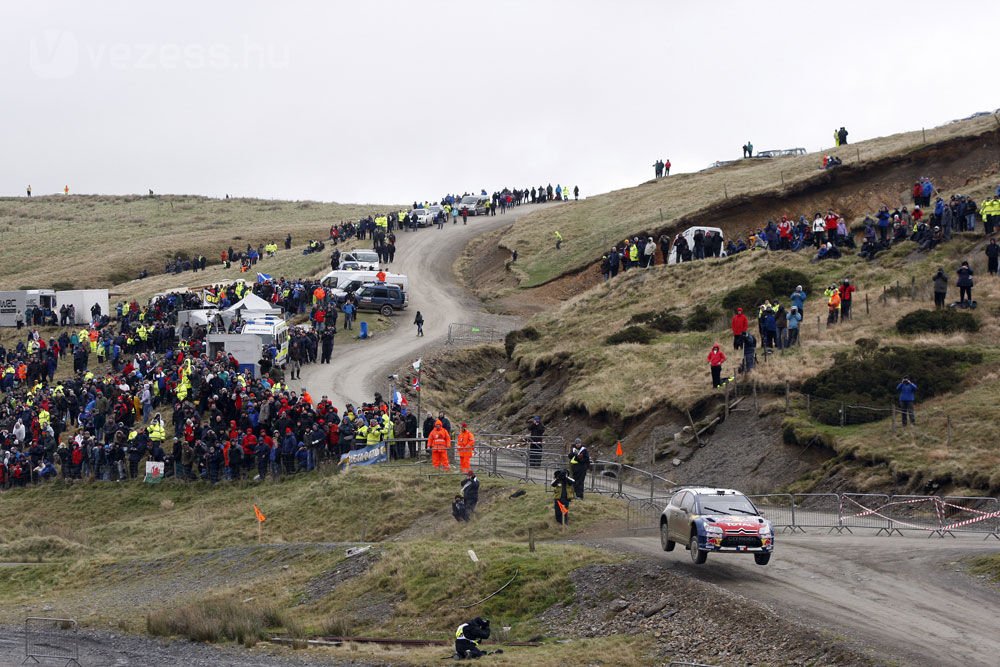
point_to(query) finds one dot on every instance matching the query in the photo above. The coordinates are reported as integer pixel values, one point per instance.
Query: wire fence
(941, 516)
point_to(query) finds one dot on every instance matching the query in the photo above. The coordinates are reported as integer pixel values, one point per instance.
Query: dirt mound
(690, 620)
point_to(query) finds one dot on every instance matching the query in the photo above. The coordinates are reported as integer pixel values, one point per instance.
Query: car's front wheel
(386, 310)
(665, 541)
(762, 559)
(698, 556)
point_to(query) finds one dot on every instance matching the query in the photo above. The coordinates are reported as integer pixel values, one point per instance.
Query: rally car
(722, 520)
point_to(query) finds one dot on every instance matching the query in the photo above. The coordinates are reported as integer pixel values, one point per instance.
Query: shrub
(511, 340)
(665, 321)
(216, 619)
(774, 284)
(937, 321)
(869, 376)
(701, 319)
(634, 334)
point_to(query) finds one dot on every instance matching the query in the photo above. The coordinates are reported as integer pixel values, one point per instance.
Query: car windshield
(419, 211)
(470, 200)
(726, 505)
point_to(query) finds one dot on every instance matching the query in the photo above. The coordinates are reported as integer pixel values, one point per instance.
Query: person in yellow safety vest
(374, 435)
(157, 433)
(633, 253)
(43, 418)
(182, 389)
(361, 433)
(466, 443)
(88, 376)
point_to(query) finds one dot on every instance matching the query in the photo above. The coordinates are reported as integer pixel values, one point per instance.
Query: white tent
(253, 303)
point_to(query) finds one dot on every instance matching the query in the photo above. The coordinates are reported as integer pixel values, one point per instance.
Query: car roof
(710, 491)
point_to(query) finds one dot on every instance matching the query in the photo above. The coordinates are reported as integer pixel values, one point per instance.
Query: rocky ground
(689, 620)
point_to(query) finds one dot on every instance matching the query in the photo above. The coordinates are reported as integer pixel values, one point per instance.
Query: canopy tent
(254, 303)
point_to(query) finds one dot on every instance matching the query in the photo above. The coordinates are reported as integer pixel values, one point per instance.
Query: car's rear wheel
(762, 559)
(665, 542)
(698, 556)
(386, 310)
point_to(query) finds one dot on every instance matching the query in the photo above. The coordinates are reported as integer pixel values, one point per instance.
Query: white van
(271, 330)
(688, 235)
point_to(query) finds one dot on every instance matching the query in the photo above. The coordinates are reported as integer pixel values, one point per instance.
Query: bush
(665, 321)
(635, 334)
(216, 619)
(936, 321)
(701, 319)
(775, 284)
(869, 376)
(511, 340)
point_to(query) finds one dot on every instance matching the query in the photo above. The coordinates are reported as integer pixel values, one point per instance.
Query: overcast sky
(388, 101)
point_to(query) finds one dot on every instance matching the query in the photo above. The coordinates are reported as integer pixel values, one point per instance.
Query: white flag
(416, 365)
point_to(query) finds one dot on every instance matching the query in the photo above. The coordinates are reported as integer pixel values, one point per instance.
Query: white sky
(391, 100)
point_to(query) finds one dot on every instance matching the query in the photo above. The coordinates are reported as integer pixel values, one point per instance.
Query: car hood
(744, 524)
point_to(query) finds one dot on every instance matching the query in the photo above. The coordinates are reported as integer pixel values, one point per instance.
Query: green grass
(102, 545)
(988, 566)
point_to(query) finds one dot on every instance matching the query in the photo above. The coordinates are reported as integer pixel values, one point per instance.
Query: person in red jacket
(715, 359)
(846, 292)
(740, 324)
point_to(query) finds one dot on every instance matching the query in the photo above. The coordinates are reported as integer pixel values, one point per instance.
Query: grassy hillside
(113, 553)
(98, 241)
(630, 380)
(591, 226)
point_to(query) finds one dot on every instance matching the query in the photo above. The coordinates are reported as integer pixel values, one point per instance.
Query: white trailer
(13, 302)
(246, 348)
(82, 301)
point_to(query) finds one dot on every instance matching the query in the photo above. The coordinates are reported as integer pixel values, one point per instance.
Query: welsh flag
(154, 472)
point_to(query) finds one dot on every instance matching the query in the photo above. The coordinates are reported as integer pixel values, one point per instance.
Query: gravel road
(906, 599)
(427, 257)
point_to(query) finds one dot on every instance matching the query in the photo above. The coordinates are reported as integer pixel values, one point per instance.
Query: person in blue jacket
(907, 395)
(798, 299)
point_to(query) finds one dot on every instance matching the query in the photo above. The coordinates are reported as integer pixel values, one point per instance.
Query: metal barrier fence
(474, 333)
(847, 512)
(51, 639)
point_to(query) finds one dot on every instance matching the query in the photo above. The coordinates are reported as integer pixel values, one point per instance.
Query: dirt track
(427, 257)
(905, 599)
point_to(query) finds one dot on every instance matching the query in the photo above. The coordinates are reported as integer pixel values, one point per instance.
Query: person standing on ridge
(716, 357)
(841, 136)
(907, 395)
(739, 325)
(666, 167)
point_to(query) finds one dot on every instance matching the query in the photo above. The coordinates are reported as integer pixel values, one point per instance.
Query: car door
(676, 518)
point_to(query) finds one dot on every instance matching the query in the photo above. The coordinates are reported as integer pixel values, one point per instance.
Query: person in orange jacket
(716, 357)
(466, 447)
(439, 442)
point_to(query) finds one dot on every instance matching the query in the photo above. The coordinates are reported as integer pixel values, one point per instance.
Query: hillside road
(906, 599)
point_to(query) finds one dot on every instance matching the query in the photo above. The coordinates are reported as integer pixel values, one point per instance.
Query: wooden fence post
(756, 408)
(843, 414)
(727, 401)
(787, 397)
(868, 310)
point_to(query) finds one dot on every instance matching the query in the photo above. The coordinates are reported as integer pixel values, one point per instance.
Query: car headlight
(713, 530)
(765, 530)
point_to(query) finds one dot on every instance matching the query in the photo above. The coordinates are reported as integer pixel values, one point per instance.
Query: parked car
(476, 204)
(720, 520)
(359, 260)
(424, 217)
(383, 297)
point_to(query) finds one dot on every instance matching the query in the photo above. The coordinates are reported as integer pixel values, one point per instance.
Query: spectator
(940, 281)
(716, 357)
(965, 285)
(907, 396)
